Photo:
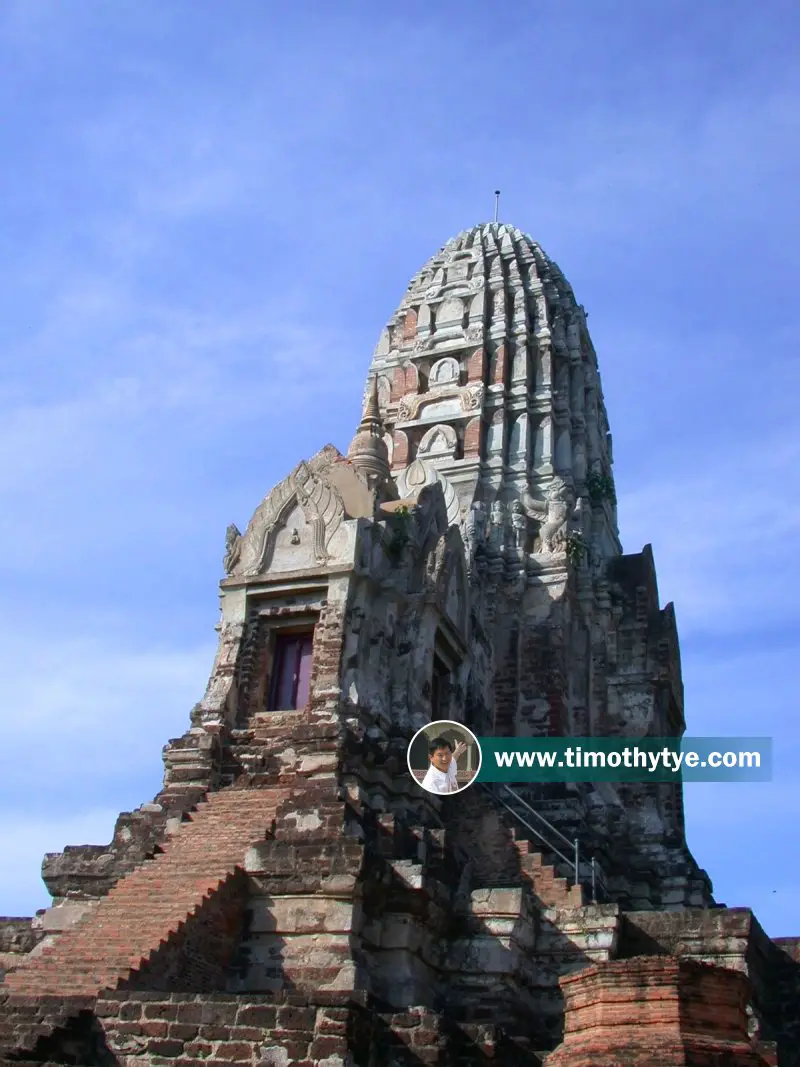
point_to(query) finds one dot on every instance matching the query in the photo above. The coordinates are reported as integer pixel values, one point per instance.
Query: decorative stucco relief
(304, 510)
(467, 398)
(554, 515)
(418, 475)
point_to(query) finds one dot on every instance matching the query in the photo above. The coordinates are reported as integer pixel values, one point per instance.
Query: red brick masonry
(156, 902)
(655, 1012)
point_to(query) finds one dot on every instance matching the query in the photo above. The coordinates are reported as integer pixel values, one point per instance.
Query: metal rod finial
(496, 205)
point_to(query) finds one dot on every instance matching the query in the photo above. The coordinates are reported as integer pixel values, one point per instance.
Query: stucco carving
(468, 398)
(519, 524)
(553, 514)
(320, 505)
(475, 528)
(419, 475)
(233, 546)
(444, 371)
(440, 440)
(497, 526)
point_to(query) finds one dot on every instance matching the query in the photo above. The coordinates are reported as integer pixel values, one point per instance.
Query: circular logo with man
(444, 757)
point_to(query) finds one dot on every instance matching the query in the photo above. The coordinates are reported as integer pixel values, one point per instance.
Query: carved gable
(294, 526)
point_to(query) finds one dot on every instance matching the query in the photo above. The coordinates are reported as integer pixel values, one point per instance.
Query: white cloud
(177, 371)
(724, 536)
(79, 687)
(84, 722)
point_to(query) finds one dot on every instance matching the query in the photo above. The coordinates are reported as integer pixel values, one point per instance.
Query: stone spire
(368, 452)
(489, 384)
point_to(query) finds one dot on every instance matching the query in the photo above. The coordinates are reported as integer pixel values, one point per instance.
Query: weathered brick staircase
(551, 889)
(146, 912)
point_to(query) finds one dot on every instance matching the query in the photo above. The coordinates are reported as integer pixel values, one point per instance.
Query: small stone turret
(368, 452)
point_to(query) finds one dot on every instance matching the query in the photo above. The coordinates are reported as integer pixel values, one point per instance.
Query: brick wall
(655, 1012)
(320, 1031)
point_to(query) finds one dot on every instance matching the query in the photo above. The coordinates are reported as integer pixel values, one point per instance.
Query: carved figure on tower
(497, 519)
(233, 539)
(554, 514)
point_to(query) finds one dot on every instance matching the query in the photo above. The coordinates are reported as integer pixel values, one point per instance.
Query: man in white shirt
(441, 775)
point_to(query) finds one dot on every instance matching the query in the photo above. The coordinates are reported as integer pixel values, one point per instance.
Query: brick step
(552, 888)
(170, 891)
(89, 958)
(152, 904)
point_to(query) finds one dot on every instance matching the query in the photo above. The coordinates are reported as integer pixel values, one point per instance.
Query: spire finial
(496, 205)
(367, 451)
(372, 408)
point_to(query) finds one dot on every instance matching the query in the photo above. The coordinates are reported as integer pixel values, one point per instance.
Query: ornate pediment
(300, 517)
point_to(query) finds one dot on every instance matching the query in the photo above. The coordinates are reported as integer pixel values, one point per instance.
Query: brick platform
(655, 1012)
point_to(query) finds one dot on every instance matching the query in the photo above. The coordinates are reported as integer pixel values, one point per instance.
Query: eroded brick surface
(656, 1012)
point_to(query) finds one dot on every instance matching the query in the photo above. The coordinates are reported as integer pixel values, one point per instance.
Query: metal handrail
(534, 831)
(541, 818)
(574, 843)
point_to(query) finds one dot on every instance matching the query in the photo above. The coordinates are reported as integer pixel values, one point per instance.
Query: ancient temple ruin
(291, 895)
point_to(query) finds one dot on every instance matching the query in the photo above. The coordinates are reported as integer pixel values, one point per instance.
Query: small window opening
(291, 672)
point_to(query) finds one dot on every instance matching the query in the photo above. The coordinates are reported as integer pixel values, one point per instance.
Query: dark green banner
(617, 759)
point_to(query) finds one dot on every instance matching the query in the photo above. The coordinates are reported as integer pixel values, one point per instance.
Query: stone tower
(489, 387)
(291, 895)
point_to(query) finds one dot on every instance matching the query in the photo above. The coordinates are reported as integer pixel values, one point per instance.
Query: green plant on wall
(575, 549)
(400, 534)
(601, 487)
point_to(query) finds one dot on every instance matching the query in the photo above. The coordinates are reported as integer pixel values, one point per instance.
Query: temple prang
(292, 895)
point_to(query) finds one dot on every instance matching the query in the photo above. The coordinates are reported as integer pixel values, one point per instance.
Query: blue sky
(207, 212)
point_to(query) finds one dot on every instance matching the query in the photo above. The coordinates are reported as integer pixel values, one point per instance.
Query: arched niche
(499, 302)
(518, 438)
(440, 440)
(444, 372)
(494, 436)
(384, 344)
(388, 440)
(399, 451)
(477, 308)
(543, 443)
(410, 325)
